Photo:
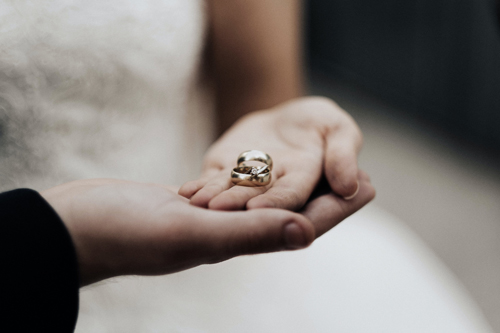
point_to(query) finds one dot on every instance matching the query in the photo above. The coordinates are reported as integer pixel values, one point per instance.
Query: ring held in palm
(247, 175)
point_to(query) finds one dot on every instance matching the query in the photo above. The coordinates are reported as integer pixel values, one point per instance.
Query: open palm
(121, 227)
(306, 138)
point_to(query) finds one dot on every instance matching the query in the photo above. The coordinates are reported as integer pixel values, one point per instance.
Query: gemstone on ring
(251, 176)
(246, 175)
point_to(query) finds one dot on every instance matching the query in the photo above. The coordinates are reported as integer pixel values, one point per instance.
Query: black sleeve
(39, 270)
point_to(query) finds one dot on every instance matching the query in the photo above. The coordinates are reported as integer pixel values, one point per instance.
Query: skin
(254, 55)
(255, 58)
(306, 138)
(122, 227)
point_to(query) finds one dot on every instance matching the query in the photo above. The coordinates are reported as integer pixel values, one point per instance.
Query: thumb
(341, 165)
(255, 231)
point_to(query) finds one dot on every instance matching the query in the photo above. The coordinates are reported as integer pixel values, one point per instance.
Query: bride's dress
(108, 88)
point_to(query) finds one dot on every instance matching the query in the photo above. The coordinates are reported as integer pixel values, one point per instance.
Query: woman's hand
(306, 138)
(121, 227)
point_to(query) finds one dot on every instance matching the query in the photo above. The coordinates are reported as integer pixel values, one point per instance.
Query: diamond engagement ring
(247, 175)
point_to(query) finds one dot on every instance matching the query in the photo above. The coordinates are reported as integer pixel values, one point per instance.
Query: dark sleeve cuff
(39, 273)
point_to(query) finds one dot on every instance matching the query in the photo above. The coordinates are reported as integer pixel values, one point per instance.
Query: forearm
(255, 55)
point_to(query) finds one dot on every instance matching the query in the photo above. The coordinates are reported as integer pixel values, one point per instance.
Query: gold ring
(255, 155)
(247, 175)
(251, 176)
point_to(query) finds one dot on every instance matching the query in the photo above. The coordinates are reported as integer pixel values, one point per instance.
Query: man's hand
(306, 138)
(120, 227)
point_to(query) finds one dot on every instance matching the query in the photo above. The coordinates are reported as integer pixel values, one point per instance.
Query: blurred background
(422, 79)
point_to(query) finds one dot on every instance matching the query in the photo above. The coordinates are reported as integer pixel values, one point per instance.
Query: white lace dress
(108, 88)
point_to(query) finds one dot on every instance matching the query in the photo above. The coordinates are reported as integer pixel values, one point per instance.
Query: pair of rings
(247, 175)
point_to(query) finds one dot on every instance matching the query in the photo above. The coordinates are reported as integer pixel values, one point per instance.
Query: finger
(236, 197)
(190, 188)
(289, 192)
(216, 185)
(328, 210)
(229, 234)
(341, 161)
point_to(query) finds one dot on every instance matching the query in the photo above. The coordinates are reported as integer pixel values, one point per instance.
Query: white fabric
(369, 274)
(101, 88)
(108, 88)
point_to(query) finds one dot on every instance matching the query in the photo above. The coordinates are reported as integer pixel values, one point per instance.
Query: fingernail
(355, 193)
(294, 236)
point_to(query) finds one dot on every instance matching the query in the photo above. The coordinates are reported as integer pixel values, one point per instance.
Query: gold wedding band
(249, 176)
(246, 175)
(255, 155)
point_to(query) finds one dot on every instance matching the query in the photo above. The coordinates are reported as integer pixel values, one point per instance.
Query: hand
(121, 227)
(326, 209)
(306, 138)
